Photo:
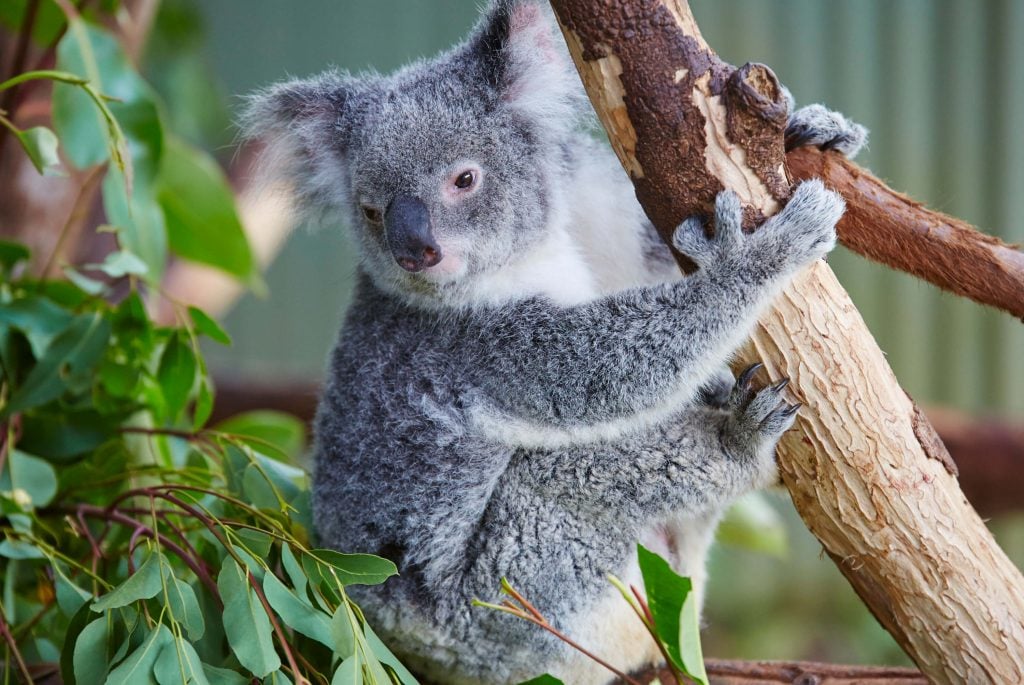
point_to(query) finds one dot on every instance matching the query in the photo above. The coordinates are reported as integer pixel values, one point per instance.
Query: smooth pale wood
(892, 518)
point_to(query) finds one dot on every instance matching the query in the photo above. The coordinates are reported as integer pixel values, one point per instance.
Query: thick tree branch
(728, 672)
(889, 227)
(865, 469)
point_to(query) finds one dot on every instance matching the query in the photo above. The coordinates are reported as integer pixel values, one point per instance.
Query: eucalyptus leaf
(296, 614)
(40, 144)
(343, 634)
(179, 664)
(295, 572)
(90, 663)
(71, 356)
(545, 679)
(199, 206)
(120, 263)
(12, 253)
(32, 476)
(39, 318)
(177, 373)
(350, 569)
(70, 597)
(182, 602)
(283, 431)
(350, 672)
(667, 593)
(139, 220)
(206, 325)
(223, 676)
(137, 668)
(245, 622)
(381, 651)
(143, 584)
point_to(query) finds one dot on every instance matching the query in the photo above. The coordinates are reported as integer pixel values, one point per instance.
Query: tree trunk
(864, 467)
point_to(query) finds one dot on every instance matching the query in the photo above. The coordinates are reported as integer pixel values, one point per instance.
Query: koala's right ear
(300, 107)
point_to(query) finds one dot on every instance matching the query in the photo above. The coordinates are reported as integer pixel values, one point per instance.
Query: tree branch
(865, 469)
(889, 227)
(728, 672)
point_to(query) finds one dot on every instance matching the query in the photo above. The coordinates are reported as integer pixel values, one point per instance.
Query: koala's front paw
(805, 229)
(827, 130)
(728, 241)
(757, 419)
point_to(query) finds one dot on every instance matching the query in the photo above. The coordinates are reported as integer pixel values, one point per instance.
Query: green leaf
(143, 584)
(381, 651)
(296, 614)
(140, 223)
(179, 664)
(90, 663)
(19, 549)
(95, 55)
(177, 373)
(202, 222)
(343, 634)
(350, 672)
(245, 622)
(12, 253)
(137, 668)
(70, 357)
(204, 404)
(350, 569)
(283, 431)
(542, 680)
(676, 624)
(64, 435)
(38, 318)
(207, 326)
(752, 523)
(40, 144)
(181, 600)
(222, 676)
(119, 264)
(32, 476)
(85, 283)
(70, 597)
(294, 571)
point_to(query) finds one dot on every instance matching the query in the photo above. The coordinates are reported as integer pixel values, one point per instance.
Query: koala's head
(449, 169)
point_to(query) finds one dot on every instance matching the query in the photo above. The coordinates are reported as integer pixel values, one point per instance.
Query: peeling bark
(883, 505)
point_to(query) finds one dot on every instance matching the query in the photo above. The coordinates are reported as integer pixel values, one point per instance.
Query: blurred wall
(940, 83)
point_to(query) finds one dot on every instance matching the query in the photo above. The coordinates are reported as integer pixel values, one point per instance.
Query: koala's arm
(641, 349)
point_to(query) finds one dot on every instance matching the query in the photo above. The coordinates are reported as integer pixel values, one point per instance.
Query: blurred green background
(940, 83)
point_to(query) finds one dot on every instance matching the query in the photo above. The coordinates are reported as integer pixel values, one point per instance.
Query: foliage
(139, 543)
(667, 609)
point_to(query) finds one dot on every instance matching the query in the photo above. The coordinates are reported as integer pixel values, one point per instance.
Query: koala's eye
(465, 180)
(372, 214)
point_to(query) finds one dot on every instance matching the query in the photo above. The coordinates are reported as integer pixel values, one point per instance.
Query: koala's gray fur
(551, 391)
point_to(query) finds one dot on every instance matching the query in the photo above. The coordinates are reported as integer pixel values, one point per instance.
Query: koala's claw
(827, 130)
(761, 414)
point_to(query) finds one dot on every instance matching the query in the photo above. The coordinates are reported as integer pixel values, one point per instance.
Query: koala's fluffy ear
(299, 123)
(525, 57)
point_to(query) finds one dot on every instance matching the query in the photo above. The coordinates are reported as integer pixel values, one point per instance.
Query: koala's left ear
(525, 58)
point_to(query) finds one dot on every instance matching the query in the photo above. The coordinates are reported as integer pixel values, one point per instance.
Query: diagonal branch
(865, 468)
(891, 228)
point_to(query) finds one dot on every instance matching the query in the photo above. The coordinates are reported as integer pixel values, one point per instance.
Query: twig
(5, 630)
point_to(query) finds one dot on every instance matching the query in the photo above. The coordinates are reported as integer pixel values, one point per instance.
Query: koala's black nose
(407, 229)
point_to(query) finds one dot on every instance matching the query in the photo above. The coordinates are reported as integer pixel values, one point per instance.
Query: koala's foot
(827, 130)
(757, 419)
(802, 232)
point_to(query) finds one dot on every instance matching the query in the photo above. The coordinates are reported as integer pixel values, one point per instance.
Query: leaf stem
(5, 630)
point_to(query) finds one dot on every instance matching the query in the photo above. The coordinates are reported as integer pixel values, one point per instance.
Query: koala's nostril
(431, 255)
(409, 264)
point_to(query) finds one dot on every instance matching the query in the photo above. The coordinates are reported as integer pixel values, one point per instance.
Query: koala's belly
(610, 628)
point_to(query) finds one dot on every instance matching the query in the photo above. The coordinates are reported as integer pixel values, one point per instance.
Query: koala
(524, 385)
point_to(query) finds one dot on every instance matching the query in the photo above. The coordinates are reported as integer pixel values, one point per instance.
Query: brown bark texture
(864, 467)
(888, 227)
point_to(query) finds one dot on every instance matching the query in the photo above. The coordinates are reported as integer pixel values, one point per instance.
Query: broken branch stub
(863, 467)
